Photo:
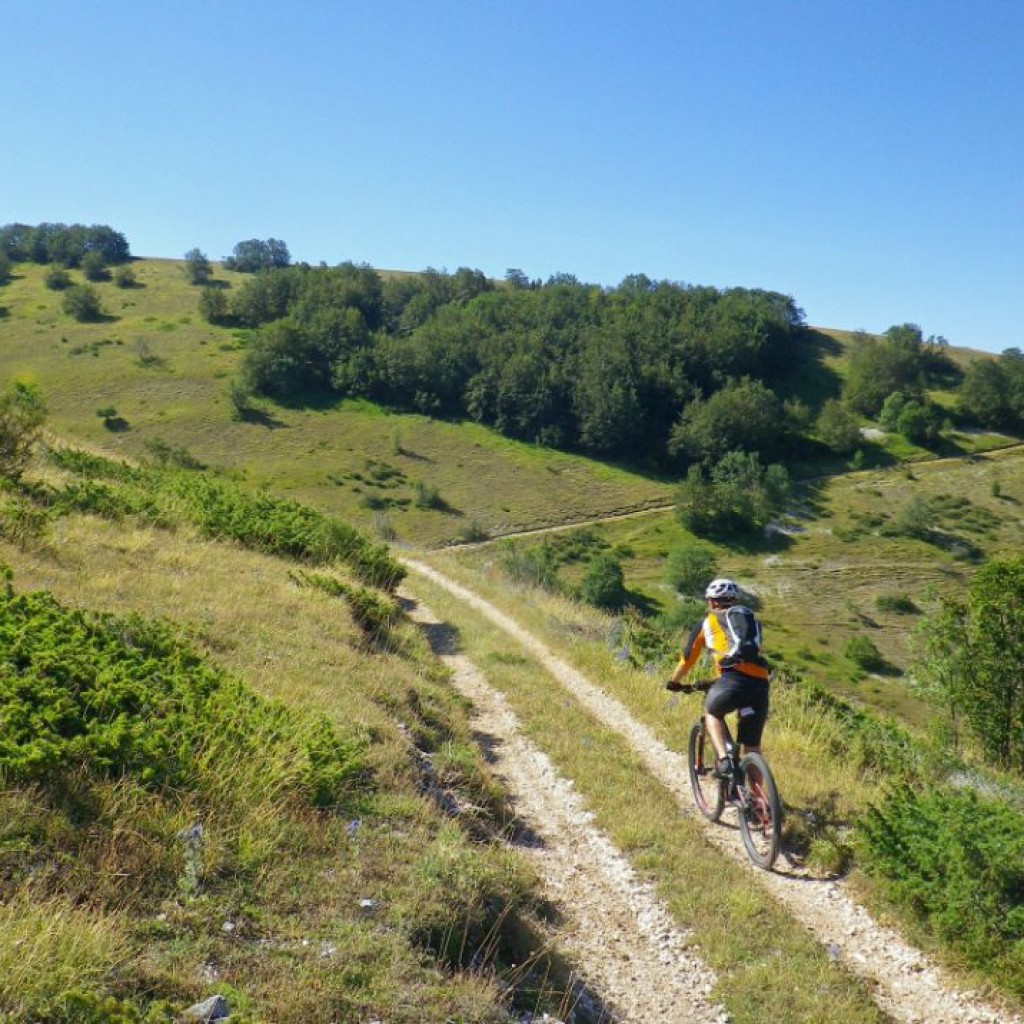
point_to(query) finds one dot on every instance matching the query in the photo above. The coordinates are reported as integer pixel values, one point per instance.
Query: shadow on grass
(641, 602)
(438, 504)
(260, 418)
(405, 453)
(97, 318)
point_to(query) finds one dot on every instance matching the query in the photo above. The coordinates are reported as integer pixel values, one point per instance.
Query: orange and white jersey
(732, 636)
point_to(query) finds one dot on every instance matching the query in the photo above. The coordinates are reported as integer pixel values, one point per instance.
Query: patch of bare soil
(608, 911)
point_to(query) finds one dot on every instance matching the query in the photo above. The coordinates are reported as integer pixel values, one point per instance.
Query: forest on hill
(661, 374)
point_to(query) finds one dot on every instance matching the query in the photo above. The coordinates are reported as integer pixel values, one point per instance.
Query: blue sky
(864, 157)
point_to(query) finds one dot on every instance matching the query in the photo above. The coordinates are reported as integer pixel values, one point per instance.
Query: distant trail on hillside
(576, 524)
(906, 985)
(670, 507)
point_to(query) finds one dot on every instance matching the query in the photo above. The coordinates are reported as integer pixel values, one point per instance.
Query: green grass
(167, 373)
(643, 819)
(820, 586)
(288, 880)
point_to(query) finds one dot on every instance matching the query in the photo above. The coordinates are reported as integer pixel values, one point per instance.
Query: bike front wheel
(760, 811)
(708, 791)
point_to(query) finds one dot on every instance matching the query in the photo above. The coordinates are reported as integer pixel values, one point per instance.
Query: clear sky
(864, 156)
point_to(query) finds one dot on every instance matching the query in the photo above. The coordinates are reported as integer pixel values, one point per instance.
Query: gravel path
(619, 935)
(906, 984)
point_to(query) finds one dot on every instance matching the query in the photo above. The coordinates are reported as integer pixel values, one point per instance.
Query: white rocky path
(619, 935)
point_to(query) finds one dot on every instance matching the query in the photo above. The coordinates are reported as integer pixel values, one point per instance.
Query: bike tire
(708, 791)
(760, 811)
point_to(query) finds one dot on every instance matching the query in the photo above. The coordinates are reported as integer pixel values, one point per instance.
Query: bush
(690, 566)
(124, 277)
(955, 862)
(22, 414)
(113, 696)
(603, 583)
(375, 614)
(223, 509)
(213, 305)
(535, 565)
(83, 303)
(839, 427)
(57, 279)
(94, 267)
(898, 604)
(864, 654)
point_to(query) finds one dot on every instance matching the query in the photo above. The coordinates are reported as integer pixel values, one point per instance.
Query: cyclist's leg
(722, 699)
(745, 695)
(718, 732)
(752, 713)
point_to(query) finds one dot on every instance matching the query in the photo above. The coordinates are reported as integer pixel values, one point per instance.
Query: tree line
(607, 371)
(66, 244)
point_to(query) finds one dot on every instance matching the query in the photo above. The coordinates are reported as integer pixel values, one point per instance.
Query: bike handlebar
(701, 686)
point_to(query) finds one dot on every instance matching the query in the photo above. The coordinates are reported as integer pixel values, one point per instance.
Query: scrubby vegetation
(159, 816)
(220, 509)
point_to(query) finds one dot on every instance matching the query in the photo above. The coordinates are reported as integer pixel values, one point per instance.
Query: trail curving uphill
(906, 984)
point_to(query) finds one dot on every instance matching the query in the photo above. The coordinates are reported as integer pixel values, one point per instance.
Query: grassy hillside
(423, 482)
(218, 779)
(167, 373)
(853, 544)
(365, 896)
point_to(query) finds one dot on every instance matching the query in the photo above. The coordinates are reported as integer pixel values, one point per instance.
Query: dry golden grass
(48, 945)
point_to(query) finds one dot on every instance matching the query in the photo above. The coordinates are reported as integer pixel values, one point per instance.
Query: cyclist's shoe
(723, 769)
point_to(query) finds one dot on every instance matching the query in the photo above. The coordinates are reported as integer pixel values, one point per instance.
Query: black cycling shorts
(733, 691)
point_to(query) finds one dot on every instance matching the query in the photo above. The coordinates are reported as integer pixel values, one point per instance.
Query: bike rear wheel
(760, 811)
(708, 791)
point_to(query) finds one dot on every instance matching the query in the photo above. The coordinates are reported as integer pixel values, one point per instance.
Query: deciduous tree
(970, 652)
(22, 414)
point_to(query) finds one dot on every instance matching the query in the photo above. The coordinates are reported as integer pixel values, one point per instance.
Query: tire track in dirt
(620, 936)
(906, 984)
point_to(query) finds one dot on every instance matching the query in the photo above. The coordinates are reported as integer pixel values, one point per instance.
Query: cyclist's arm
(692, 650)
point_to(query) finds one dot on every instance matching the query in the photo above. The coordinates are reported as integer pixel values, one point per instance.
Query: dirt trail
(906, 984)
(620, 936)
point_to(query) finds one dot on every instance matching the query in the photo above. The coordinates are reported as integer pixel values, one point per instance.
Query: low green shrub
(863, 653)
(222, 509)
(115, 697)
(898, 604)
(373, 612)
(530, 564)
(955, 862)
(603, 584)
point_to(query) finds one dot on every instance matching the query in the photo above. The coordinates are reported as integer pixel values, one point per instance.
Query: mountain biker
(732, 634)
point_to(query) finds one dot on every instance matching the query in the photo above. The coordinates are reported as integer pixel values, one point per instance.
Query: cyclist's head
(722, 592)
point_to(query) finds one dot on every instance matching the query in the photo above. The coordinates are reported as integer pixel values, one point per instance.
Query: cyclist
(732, 634)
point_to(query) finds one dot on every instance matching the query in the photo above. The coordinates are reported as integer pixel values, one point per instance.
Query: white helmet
(722, 590)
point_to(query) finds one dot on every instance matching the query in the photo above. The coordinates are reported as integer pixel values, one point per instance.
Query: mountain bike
(751, 791)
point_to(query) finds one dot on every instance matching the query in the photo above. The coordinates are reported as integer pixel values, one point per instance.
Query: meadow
(167, 375)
